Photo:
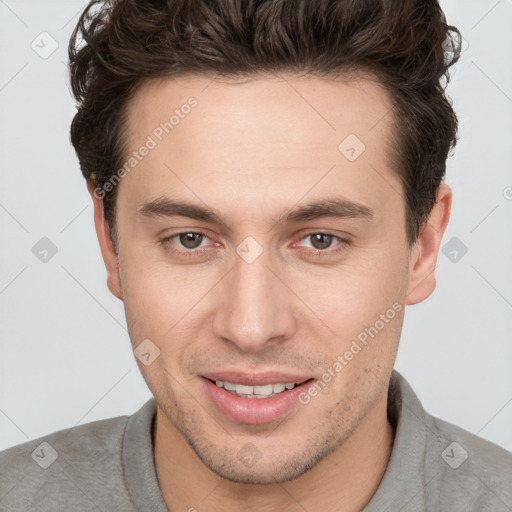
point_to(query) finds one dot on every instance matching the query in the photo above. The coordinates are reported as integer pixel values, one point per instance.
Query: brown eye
(190, 240)
(320, 240)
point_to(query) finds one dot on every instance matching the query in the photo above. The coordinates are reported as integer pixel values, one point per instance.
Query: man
(268, 194)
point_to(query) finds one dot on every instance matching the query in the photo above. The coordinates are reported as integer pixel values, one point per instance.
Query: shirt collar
(403, 484)
(139, 460)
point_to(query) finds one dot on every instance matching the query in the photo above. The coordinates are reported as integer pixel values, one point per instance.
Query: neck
(345, 480)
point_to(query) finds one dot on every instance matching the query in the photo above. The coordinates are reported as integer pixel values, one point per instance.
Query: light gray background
(65, 353)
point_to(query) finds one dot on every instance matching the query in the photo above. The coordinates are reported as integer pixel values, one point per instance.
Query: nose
(255, 306)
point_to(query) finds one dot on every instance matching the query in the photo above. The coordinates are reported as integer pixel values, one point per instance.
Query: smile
(264, 391)
(254, 404)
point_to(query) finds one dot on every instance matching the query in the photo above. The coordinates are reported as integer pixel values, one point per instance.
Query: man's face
(253, 295)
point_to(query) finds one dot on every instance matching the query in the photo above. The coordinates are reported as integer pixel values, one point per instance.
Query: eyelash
(196, 252)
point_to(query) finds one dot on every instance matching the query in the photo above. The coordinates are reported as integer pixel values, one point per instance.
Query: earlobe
(422, 280)
(108, 252)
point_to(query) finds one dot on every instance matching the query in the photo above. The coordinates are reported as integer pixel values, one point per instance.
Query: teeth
(264, 391)
(244, 390)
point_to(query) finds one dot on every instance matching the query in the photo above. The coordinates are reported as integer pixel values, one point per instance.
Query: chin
(250, 466)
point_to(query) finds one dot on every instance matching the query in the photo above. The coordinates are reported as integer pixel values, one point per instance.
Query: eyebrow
(337, 207)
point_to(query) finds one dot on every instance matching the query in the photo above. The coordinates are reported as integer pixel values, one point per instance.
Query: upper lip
(256, 379)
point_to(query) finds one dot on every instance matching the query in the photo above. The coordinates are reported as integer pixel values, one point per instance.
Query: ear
(422, 263)
(108, 252)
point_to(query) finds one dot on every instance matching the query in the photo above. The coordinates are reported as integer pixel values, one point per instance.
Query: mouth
(260, 391)
(255, 404)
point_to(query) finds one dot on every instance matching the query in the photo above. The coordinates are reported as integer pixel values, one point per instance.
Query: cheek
(358, 290)
(362, 305)
(161, 299)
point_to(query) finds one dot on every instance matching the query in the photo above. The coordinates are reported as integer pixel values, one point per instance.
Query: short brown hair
(406, 45)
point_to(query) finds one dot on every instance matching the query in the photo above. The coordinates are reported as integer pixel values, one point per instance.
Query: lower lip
(255, 411)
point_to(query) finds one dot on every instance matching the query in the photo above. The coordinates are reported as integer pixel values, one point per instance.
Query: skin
(251, 150)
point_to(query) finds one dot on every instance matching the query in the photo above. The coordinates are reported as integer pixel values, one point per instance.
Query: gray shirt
(108, 465)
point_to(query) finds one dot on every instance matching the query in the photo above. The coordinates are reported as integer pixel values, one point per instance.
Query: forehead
(284, 136)
(298, 108)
